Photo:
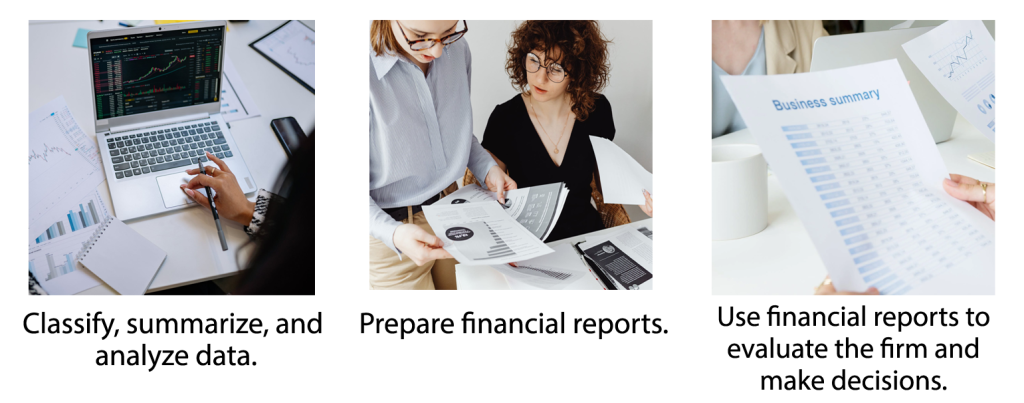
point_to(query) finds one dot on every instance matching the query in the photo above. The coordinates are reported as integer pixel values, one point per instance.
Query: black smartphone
(289, 132)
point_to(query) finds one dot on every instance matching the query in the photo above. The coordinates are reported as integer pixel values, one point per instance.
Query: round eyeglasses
(556, 73)
(427, 43)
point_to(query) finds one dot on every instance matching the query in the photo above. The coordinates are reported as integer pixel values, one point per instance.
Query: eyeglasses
(555, 71)
(427, 43)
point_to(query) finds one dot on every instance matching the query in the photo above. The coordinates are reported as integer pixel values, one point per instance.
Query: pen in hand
(213, 207)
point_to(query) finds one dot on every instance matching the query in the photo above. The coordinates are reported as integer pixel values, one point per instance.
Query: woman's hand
(979, 194)
(826, 288)
(498, 181)
(649, 207)
(231, 202)
(418, 244)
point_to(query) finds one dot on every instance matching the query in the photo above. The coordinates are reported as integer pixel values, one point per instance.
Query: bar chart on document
(897, 232)
(89, 211)
(64, 165)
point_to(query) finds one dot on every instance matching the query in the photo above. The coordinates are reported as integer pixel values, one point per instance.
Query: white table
(782, 259)
(188, 236)
(488, 278)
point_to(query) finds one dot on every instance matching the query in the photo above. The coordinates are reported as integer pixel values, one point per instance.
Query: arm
(382, 226)
(264, 200)
(501, 165)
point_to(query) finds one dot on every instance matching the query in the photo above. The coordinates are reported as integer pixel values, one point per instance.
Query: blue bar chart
(65, 266)
(90, 211)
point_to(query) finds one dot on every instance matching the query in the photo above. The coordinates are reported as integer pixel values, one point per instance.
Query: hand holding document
(537, 207)
(482, 233)
(959, 59)
(854, 156)
(620, 178)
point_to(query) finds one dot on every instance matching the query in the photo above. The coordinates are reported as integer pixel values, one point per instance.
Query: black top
(510, 135)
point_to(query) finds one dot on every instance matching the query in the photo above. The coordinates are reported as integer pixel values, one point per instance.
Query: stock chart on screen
(155, 71)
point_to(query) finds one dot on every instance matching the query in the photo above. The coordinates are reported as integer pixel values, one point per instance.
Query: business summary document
(853, 154)
(622, 180)
(959, 59)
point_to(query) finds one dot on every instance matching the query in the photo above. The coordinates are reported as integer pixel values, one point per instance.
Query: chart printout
(854, 156)
(64, 164)
(959, 59)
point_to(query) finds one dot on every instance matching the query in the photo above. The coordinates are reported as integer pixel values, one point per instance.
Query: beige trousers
(388, 272)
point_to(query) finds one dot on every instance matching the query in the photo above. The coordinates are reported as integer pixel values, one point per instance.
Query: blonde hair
(382, 38)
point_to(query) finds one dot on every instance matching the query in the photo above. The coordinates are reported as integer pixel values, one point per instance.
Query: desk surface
(488, 278)
(782, 259)
(188, 236)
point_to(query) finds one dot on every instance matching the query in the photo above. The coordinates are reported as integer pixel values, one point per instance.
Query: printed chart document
(63, 165)
(537, 207)
(959, 59)
(625, 256)
(560, 270)
(235, 101)
(482, 234)
(621, 179)
(854, 156)
(52, 254)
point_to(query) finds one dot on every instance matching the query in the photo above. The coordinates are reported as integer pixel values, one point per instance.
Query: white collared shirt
(421, 132)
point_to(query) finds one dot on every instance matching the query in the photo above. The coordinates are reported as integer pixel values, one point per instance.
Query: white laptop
(833, 52)
(155, 93)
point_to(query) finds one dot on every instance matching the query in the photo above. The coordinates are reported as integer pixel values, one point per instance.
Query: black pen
(213, 207)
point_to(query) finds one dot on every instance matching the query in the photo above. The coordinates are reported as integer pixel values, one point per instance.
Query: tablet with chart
(291, 47)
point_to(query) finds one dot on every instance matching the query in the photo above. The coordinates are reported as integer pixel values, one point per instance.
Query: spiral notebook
(122, 258)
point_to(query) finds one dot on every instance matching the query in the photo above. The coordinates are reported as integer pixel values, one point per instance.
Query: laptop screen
(156, 71)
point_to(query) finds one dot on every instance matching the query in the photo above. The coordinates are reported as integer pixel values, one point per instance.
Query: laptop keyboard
(176, 146)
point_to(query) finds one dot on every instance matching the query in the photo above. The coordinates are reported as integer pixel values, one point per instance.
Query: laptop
(832, 52)
(155, 98)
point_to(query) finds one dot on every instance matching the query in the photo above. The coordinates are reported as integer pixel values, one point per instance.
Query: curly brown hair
(584, 55)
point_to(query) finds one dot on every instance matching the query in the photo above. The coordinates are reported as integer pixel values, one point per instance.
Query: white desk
(782, 259)
(188, 236)
(487, 278)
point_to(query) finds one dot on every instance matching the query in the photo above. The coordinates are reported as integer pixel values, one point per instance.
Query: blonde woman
(755, 48)
(421, 141)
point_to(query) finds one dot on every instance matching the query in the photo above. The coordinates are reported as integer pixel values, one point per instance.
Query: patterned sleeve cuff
(260, 212)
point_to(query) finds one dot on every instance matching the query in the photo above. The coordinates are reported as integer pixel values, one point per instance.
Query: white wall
(629, 87)
(882, 25)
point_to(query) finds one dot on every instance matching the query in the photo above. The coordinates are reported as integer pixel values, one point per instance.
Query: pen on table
(213, 207)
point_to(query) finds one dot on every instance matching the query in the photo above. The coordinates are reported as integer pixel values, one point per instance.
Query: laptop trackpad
(170, 189)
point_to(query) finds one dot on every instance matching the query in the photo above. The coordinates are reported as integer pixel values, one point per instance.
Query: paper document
(560, 270)
(625, 256)
(621, 179)
(537, 207)
(959, 59)
(51, 255)
(63, 165)
(235, 101)
(482, 234)
(854, 156)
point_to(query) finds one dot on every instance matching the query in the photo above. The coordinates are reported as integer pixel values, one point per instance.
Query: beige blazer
(788, 45)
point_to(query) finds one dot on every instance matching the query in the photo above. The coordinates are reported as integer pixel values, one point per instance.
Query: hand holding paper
(621, 179)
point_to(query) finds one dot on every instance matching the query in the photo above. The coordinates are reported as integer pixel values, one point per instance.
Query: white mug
(739, 191)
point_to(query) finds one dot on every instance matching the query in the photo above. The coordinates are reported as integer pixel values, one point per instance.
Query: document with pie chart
(483, 233)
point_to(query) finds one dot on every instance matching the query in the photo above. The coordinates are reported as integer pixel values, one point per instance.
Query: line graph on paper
(959, 57)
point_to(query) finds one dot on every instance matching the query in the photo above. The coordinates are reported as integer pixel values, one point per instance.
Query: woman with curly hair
(540, 136)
